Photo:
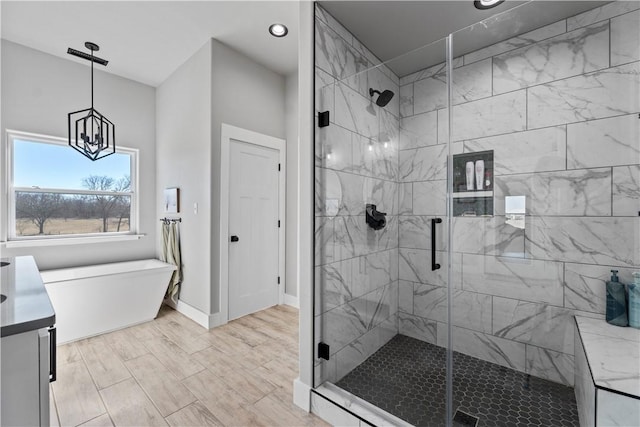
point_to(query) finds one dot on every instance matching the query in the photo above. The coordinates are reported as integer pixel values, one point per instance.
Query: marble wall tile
(625, 46)
(324, 241)
(359, 350)
(334, 286)
(606, 142)
(496, 115)
(405, 198)
(424, 164)
(415, 266)
(325, 90)
(607, 11)
(486, 347)
(385, 148)
(406, 100)
(420, 130)
(584, 192)
(434, 69)
(333, 149)
(430, 94)
(344, 324)
(470, 82)
(522, 40)
(550, 365)
(355, 112)
(415, 233)
(583, 383)
(405, 296)
(584, 285)
(537, 150)
(363, 154)
(338, 58)
(339, 193)
(332, 23)
(626, 191)
(374, 271)
(417, 327)
(353, 237)
(541, 325)
(617, 410)
(570, 54)
(601, 240)
(488, 236)
(604, 93)
(470, 310)
(524, 279)
(430, 198)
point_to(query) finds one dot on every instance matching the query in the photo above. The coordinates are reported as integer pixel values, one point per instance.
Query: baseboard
(291, 300)
(301, 395)
(191, 312)
(216, 319)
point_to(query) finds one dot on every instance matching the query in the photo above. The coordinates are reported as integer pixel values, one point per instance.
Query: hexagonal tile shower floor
(406, 378)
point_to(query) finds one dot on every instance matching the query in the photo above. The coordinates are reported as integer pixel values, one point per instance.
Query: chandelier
(90, 132)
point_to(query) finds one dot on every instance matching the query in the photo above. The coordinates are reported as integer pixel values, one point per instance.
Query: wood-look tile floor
(172, 371)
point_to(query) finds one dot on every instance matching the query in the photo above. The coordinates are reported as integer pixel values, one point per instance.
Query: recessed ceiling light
(278, 30)
(486, 4)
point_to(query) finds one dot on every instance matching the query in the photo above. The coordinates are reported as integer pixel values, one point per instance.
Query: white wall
(38, 91)
(247, 95)
(291, 124)
(183, 157)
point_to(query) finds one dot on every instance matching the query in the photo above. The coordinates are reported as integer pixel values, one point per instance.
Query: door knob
(235, 238)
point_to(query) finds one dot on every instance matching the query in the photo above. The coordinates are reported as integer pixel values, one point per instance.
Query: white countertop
(613, 354)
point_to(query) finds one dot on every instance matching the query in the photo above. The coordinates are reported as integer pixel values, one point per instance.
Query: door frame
(228, 133)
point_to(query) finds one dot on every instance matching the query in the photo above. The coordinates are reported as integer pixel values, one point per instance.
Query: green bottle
(634, 301)
(616, 301)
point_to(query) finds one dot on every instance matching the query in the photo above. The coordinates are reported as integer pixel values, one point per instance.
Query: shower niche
(473, 182)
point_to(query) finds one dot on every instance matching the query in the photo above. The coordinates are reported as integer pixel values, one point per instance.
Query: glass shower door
(545, 198)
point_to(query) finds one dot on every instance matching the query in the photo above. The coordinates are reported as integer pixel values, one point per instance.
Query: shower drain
(462, 419)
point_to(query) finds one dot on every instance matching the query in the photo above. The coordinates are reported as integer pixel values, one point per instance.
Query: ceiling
(393, 28)
(147, 40)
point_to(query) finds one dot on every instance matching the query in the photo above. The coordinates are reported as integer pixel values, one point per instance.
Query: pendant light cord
(92, 79)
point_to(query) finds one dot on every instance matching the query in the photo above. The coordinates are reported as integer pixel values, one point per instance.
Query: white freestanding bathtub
(96, 299)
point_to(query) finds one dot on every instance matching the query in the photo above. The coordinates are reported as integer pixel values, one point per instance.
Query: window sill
(27, 243)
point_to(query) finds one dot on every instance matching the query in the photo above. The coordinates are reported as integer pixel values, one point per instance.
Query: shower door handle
(434, 264)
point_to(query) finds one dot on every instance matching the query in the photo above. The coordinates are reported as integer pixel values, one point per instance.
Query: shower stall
(468, 209)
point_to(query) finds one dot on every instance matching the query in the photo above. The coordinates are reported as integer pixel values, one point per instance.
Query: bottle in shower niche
(634, 301)
(470, 168)
(616, 301)
(479, 174)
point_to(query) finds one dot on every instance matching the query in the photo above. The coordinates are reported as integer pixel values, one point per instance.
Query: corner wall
(184, 160)
(38, 91)
(247, 95)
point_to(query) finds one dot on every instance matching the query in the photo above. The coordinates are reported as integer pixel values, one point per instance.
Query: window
(56, 192)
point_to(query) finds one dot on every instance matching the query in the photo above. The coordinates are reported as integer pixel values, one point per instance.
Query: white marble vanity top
(613, 353)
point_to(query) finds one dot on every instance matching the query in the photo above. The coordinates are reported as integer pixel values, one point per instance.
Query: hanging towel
(171, 255)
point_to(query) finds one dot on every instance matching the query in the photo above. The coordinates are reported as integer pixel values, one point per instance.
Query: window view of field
(26, 227)
(53, 213)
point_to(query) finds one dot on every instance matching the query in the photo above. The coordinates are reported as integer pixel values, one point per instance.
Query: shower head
(383, 97)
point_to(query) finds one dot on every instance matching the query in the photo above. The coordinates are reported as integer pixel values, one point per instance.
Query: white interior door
(253, 228)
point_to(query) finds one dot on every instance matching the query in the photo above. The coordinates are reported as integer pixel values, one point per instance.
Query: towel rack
(168, 220)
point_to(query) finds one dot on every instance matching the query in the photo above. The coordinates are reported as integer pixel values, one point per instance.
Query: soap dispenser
(634, 301)
(616, 301)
